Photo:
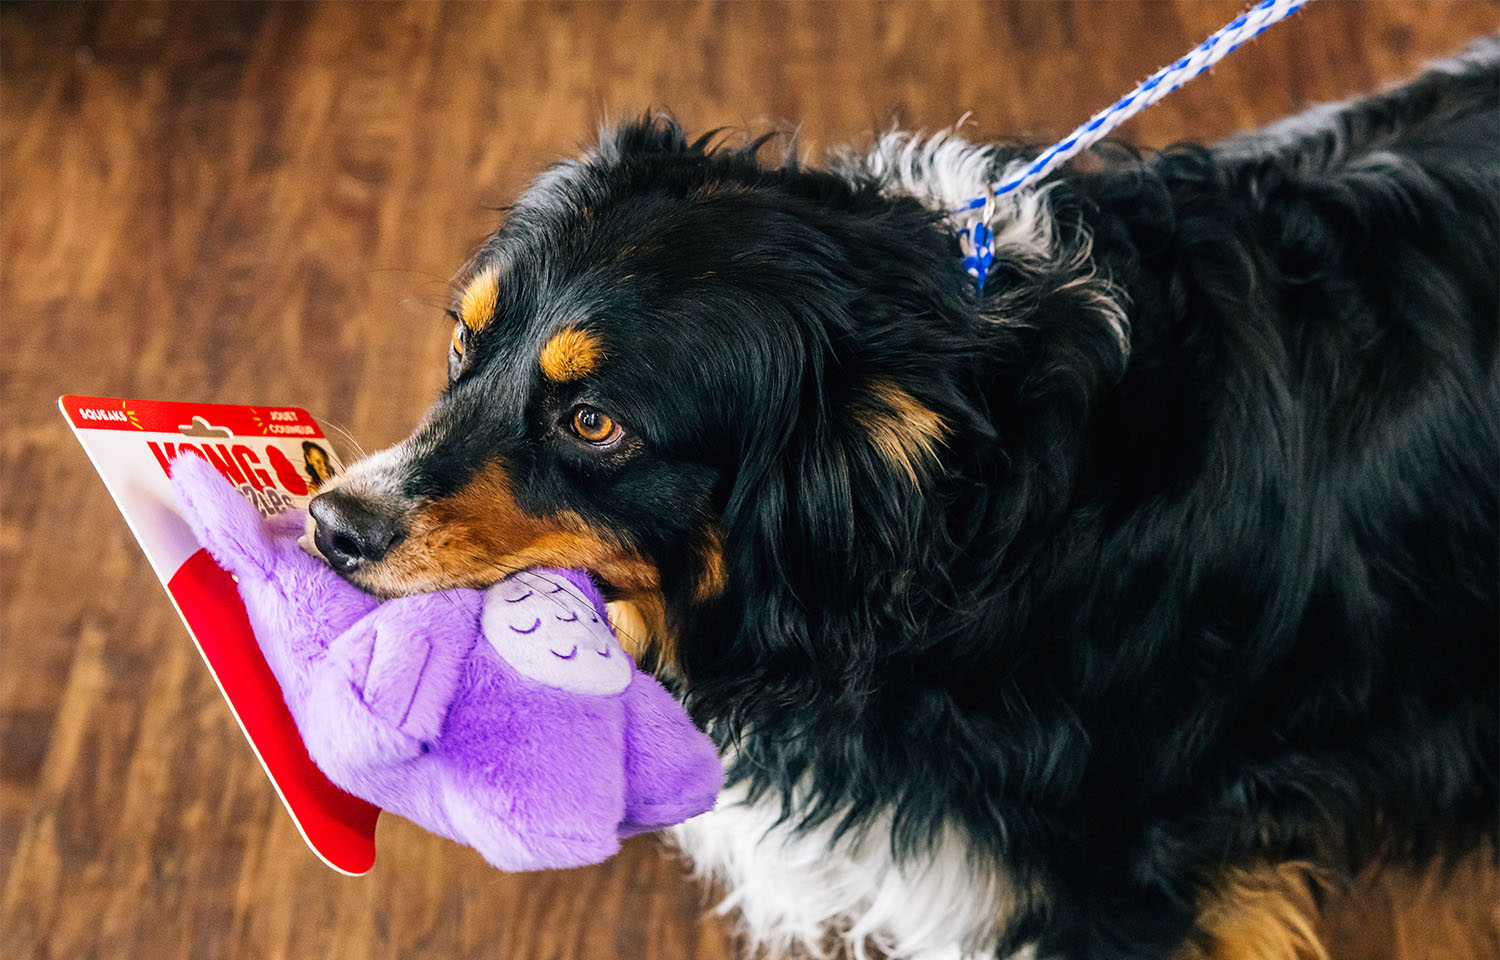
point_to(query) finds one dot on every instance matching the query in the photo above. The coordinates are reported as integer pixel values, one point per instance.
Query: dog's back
(1312, 403)
(1370, 303)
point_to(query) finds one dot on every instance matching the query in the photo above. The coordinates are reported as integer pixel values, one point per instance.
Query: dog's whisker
(342, 432)
(635, 641)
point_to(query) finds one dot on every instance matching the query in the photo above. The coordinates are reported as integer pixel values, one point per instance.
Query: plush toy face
(546, 629)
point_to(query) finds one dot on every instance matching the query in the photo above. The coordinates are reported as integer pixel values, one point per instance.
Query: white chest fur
(810, 895)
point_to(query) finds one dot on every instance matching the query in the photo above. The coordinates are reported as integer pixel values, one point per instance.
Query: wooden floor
(263, 204)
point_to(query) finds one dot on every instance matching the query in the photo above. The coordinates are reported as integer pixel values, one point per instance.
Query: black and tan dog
(1127, 610)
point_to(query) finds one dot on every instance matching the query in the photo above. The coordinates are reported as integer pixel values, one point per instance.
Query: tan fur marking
(641, 627)
(1441, 911)
(1266, 912)
(477, 307)
(570, 355)
(905, 433)
(478, 535)
(712, 577)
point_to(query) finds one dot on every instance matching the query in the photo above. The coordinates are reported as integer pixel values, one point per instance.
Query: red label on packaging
(167, 416)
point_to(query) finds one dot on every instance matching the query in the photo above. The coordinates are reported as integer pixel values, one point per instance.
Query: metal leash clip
(978, 243)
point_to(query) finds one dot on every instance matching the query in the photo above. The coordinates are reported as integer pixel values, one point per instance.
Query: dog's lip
(305, 541)
(609, 591)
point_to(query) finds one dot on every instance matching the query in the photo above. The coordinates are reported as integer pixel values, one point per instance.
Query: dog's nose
(351, 531)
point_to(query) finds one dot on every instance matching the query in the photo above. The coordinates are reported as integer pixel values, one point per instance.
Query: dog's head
(728, 390)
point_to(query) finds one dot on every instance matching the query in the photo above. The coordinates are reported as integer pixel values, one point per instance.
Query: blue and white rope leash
(978, 240)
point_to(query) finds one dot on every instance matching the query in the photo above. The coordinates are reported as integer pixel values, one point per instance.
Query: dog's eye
(594, 425)
(460, 334)
(459, 343)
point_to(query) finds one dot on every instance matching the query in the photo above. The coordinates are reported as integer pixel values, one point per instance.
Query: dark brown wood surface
(264, 204)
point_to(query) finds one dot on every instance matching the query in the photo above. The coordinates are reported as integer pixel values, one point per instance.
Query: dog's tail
(1453, 105)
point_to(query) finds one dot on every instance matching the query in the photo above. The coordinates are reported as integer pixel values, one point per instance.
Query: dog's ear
(858, 387)
(833, 534)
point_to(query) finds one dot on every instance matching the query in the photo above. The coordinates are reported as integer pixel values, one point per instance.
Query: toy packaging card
(276, 457)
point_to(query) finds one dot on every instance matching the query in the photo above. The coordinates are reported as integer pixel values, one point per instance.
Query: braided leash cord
(978, 239)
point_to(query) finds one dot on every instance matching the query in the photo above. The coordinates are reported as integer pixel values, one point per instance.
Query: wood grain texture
(265, 204)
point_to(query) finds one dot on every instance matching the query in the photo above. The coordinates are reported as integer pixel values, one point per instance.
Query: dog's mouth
(474, 537)
(434, 551)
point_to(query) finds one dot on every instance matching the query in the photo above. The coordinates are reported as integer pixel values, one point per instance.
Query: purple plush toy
(509, 719)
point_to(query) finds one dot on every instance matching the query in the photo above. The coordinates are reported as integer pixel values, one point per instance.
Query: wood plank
(247, 203)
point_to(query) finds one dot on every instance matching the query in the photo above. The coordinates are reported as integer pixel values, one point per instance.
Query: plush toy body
(508, 719)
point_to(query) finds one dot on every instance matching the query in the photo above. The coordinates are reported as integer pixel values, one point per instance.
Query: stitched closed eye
(573, 618)
(530, 629)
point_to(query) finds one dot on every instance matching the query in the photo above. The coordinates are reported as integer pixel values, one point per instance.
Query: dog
(1128, 608)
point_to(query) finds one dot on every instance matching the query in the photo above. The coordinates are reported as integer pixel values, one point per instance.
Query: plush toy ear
(222, 519)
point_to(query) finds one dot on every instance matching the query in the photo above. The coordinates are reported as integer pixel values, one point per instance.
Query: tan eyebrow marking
(570, 355)
(477, 307)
